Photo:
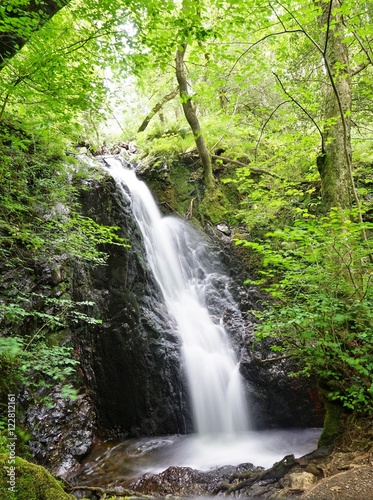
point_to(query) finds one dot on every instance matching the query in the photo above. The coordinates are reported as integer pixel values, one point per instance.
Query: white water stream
(211, 366)
(220, 410)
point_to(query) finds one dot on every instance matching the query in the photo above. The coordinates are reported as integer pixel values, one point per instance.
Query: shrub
(319, 275)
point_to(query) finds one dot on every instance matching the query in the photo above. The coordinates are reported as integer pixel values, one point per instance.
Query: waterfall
(183, 273)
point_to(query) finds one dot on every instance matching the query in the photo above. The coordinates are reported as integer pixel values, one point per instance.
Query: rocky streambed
(324, 474)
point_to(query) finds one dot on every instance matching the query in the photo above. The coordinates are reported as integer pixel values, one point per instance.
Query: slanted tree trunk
(334, 164)
(13, 39)
(157, 108)
(192, 118)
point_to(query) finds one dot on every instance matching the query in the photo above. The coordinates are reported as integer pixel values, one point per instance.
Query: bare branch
(257, 43)
(278, 358)
(264, 126)
(157, 108)
(302, 108)
(359, 68)
(241, 164)
(367, 53)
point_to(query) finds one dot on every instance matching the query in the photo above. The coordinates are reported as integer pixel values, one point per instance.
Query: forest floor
(344, 474)
(340, 474)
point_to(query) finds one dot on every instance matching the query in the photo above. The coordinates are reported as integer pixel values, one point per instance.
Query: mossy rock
(32, 482)
(214, 206)
(333, 421)
(332, 424)
(172, 184)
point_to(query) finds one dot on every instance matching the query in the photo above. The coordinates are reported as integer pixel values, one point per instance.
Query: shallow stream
(112, 462)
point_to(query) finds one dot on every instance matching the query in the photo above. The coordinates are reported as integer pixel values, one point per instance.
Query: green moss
(332, 424)
(173, 184)
(214, 206)
(32, 482)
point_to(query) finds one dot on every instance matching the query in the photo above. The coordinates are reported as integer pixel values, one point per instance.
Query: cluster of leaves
(40, 225)
(319, 274)
(38, 203)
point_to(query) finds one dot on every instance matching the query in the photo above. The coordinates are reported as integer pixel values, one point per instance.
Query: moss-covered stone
(214, 206)
(174, 184)
(332, 424)
(32, 482)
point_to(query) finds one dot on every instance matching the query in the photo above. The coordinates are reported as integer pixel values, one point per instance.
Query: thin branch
(7, 97)
(302, 30)
(327, 28)
(364, 49)
(157, 108)
(264, 126)
(240, 164)
(278, 358)
(227, 126)
(277, 16)
(359, 68)
(302, 108)
(257, 43)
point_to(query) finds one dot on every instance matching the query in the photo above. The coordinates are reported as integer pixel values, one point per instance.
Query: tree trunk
(13, 40)
(334, 164)
(192, 118)
(157, 108)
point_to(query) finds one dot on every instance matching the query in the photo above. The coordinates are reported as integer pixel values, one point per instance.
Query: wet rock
(223, 228)
(62, 434)
(131, 362)
(185, 481)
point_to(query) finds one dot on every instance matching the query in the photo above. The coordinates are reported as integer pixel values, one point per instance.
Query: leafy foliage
(40, 225)
(320, 278)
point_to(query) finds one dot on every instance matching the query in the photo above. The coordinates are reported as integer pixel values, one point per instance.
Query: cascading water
(183, 275)
(196, 297)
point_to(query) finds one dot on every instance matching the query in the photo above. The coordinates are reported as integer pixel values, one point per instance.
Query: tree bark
(157, 108)
(192, 118)
(13, 40)
(334, 162)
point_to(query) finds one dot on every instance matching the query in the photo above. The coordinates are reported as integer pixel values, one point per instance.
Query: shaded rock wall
(276, 399)
(131, 361)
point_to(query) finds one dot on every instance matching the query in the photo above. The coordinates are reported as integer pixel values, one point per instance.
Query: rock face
(131, 361)
(62, 433)
(275, 398)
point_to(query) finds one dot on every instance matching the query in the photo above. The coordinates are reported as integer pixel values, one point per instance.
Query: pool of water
(115, 461)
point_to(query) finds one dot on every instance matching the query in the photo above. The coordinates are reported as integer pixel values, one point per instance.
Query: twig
(302, 108)
(264, 126)
(257, 43)
(278, 358)
(240, 164)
